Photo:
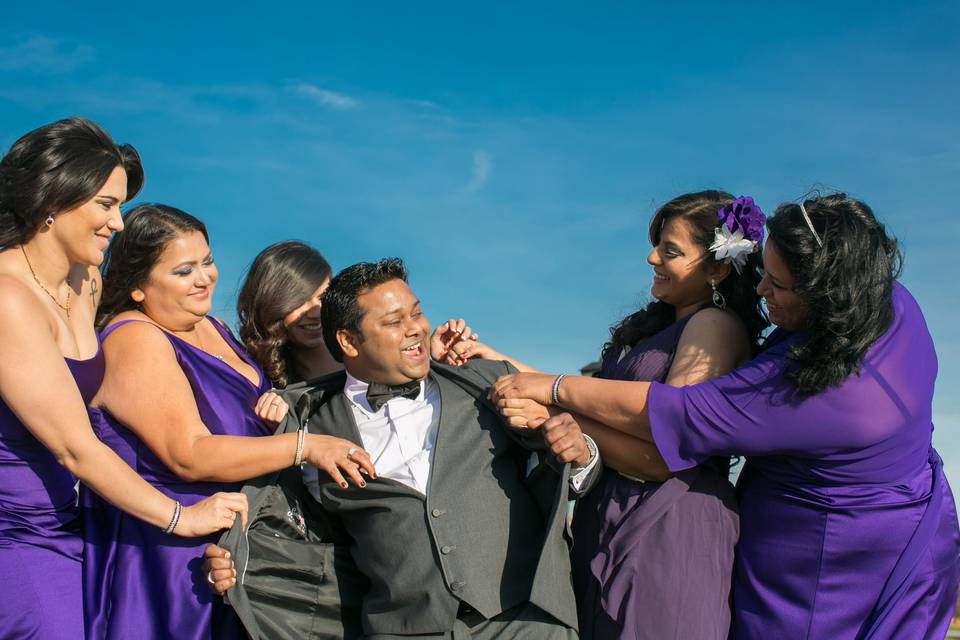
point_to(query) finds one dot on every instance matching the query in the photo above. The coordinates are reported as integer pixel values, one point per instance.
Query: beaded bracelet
(555, 390)
(175, 519)
(298, 459)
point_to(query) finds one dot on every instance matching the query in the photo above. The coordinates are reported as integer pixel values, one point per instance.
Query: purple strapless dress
(137, 581)
(40, 545)
(653, 560)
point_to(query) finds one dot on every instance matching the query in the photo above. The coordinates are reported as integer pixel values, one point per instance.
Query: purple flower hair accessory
(739, 233)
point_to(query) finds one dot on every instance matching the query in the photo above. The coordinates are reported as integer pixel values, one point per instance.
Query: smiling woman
(177, 402)
(848, 526)
(61, 187)
(279, 312)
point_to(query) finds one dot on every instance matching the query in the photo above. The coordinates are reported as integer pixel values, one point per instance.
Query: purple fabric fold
(139, 582)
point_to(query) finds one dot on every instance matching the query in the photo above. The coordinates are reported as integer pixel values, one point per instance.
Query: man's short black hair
(339, 308)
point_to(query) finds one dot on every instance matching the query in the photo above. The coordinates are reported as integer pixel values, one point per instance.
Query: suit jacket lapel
(439, 438)
(335, 418)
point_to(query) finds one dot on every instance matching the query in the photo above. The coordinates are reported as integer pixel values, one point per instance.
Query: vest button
(436, 513)
(456, 586)
(446, 549)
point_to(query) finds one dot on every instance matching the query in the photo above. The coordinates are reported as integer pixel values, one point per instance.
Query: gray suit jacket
(489, 535)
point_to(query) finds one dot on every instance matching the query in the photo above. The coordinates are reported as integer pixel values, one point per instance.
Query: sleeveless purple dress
(137, 581)
(40, 545)
(653, 560)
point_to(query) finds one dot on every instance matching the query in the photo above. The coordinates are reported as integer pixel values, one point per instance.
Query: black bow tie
(379, 394)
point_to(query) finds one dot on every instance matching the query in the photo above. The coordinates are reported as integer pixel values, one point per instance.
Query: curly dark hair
(281, 278)
(339, 308)
(740, 290)
(55, 168)
(147, 229)
(846, 285)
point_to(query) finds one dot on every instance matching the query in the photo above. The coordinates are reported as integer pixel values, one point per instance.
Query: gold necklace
(65, 307)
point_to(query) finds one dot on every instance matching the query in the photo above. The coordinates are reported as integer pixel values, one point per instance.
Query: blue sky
(512, 153)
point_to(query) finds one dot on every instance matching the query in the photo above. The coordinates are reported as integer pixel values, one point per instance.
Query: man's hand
(218, 569)
(521, 412)
(565, 439)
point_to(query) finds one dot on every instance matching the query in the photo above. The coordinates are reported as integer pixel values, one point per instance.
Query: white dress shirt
(400, 437)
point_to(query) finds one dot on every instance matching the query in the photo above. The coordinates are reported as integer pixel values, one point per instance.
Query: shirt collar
(356, 392)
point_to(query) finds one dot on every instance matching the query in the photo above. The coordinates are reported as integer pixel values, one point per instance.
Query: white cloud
(40, 53)
(482, 165)
(325, 97)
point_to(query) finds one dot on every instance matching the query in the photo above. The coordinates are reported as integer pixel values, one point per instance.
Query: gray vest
(488, 535)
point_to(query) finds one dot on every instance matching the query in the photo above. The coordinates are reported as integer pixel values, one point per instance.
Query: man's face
(394, 348)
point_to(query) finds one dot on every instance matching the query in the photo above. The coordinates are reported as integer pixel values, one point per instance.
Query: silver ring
(210, 579)
(351, 451)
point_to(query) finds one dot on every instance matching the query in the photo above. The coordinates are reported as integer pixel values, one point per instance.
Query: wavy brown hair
(281, 278)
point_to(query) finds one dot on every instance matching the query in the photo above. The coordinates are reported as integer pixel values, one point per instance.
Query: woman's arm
(625, 453)
(617, 404)
(165, 417)
(711, 344)
(485, 352)
(619, 450)
(453, 343)
(37, 385)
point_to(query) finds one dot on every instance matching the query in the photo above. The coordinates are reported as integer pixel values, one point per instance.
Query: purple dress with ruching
(139, 582)
(849, 529)
(653, 560)
(40, 544)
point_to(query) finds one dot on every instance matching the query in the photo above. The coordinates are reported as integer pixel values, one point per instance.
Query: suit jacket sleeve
(532, 439)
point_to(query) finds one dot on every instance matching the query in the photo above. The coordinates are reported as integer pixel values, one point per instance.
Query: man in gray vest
(463, 532)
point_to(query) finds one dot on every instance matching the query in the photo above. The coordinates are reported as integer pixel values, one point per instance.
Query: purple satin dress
(848, 526)
(137, 581)
(653, 560)
(40, 545)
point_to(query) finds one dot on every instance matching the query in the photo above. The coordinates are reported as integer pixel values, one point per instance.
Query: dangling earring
(718, 300)
(49, 221)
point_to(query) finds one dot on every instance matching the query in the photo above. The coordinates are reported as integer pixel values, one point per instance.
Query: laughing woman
(177, 402)
(653, 551)
(279, 311)
(848, 526)
(61, 187)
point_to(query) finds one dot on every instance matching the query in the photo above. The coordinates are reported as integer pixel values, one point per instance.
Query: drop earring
(718, 300)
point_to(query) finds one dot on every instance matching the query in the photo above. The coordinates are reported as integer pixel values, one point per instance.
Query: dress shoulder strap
(106, 332)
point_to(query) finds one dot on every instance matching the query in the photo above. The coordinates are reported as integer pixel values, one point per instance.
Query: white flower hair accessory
(740, 232)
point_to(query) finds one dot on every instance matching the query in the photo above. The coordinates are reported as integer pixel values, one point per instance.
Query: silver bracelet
(298, 459)
(175, 519)
(555, 391)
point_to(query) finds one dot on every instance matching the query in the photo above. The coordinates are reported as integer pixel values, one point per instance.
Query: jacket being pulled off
(490, 535)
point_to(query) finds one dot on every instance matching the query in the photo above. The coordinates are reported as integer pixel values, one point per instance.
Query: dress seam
(813, 605)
